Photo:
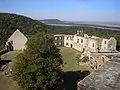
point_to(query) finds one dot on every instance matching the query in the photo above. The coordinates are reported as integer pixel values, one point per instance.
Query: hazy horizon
(65, 10)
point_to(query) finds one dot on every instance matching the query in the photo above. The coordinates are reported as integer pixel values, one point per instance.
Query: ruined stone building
(84, 43)
(99, 50)
(102, 59)
(91, 46)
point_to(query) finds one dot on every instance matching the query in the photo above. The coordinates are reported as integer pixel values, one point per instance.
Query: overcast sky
(68, 10)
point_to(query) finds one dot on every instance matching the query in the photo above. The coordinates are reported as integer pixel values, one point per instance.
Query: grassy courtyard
(69, 58)
(72, 72)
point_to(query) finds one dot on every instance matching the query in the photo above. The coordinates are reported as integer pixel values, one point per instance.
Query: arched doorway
(71, 46)
(83, 50)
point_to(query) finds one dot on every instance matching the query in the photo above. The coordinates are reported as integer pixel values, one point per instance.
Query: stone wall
(68, 41)
(59, 40)
(93, 44)
(105, 78)
(96, 61)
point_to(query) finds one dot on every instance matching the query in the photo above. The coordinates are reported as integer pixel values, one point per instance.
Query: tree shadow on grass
(71, 79)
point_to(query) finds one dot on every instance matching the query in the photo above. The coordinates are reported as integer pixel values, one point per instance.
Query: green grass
(69, 58)
(73, 73)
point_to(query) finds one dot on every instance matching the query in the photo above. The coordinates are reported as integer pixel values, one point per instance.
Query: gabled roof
(17, 32)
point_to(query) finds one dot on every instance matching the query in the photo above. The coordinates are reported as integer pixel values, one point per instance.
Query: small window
(92, 67)
(67, 38)
(55, 38)
(59, 43)
(93, 45)
(11, 42)
(67, 44)
(71, 38)
(55, 43)
(105, 42)
(77, 40)
(96, 66)
(81, 40)
(103, 59)
(91, 58)
(83, 49)
(60, 38)
(99, 65)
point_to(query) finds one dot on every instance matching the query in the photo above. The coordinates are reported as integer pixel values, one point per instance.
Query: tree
(39, 66)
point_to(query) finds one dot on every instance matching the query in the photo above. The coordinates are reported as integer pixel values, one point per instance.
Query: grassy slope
(69, 56)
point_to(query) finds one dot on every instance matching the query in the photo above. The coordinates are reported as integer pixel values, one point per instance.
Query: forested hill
(51, 21)
(10, 22)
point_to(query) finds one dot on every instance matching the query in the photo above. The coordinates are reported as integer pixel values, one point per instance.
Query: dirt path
(6, 83)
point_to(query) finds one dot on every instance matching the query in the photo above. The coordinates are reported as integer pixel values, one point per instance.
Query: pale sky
(67, 10)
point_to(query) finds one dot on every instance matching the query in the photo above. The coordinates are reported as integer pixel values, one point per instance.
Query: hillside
(51, 21)
(103, 25)
(57, 22)
(10, 22)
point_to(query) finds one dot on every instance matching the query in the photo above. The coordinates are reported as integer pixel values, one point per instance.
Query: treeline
(73, 29)
(10, 22)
